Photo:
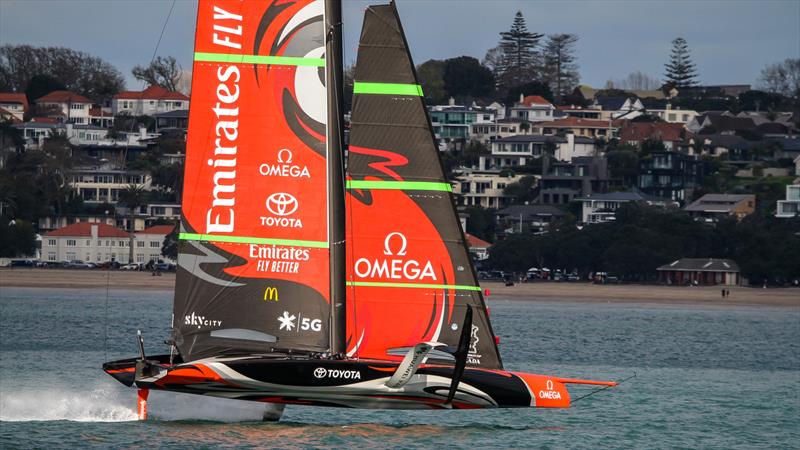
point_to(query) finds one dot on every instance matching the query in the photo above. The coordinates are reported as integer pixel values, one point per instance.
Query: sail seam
(259, 59)
(251, 240)
(462, 287)
(360, 87)
(393, 125)
(400, 185)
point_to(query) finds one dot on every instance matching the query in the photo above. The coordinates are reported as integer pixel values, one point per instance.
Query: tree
(76, 71)
(466, 77)
(132, 197)
(623, 163)
(493, 60)
(681, 72)
(520, 57)
(162, 71)
(481, 222)
(521, 191)
(170, 247)
(41, 85)
(431, 78)
(559, 63)
(638, 81)
(782, 78)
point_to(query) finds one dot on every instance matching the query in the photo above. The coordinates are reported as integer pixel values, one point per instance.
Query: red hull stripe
(457, 287)
(400, 185)
(259, 59)
(252, 240)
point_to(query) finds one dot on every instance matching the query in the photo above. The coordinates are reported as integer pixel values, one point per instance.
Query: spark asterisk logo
(287, 321)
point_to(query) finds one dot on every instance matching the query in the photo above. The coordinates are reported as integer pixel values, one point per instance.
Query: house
(720, 123)
(82, 136)
(717, 90)
(100, 242)
(605, 129)
(664, 111)
(478, 248)
(483, 188)
(712, 207)
(619, 107)
(485, 132)
(670, 134)
(451, 123)
(721, 272)
(533, 108)
(66, 106)
(578, 112)
(178, 118)
(521, 150)
(100, 117)
(670, 175)
(103, 185)
(535, 218)
(789, 207)
(153, 100)
(564, 181)
(14, 106)
(601, 208)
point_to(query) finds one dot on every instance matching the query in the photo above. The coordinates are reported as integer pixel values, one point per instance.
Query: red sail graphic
(254, 237)
(409, 275)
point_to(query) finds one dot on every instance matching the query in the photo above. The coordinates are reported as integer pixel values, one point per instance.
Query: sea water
(705, 377)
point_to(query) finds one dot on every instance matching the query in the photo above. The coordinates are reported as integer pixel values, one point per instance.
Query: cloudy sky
(731, 40)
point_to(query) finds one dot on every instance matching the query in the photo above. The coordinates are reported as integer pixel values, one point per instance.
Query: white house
(483, 188)
(151, 101)
(790, 207)
(99, 242)
(67, 106)
(13, 105)
(101, 185)
(520, 150)
(601, 208)
(533, 108)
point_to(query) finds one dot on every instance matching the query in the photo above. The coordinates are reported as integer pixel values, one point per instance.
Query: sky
(730, 41)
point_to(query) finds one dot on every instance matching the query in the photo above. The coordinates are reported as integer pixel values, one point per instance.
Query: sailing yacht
(300, 281)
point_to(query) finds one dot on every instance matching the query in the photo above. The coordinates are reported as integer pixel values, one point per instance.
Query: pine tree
(519, 60)
(560, 69)
(681, 71)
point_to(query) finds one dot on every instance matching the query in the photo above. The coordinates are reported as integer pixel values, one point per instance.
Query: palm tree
(132, 197)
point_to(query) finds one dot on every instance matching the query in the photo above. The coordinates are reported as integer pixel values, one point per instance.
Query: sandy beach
(537, 291)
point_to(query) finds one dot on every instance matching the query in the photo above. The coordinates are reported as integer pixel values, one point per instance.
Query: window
(99, 242)
(155, 244)
(51, 242)
(71, 256)
(140, 244)
(71, 243)
(88, 243)
(122, 243)
(139, 258)
(51, 256)
(672, 117)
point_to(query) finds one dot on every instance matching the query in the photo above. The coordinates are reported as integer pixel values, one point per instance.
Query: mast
(336, 204)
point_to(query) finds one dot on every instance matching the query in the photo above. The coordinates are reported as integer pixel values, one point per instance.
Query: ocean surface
(705, 378)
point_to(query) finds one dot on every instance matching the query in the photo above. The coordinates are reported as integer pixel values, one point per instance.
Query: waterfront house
(601, 208)
(483, 188)
(701, 271)
(564, 181)
(605, 129)
(671, 175)
(533, 108)
(535, 218)
(478, 248)
(66, 106)
(98, 242)
(520, 150)
(712, 207)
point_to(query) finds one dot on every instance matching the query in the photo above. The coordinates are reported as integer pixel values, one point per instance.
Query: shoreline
(580, 292)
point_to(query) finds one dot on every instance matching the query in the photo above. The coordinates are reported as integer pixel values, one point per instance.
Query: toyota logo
(281, 204)
(320, 372)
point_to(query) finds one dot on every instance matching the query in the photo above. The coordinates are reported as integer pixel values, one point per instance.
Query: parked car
(23, 263)
(109, 265)
(78, 264)
(132, 266)
(166, 267)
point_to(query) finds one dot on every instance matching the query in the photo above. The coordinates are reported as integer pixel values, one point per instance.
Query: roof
(84, 229)
(179, 113)
(719, 202)
(531, 100)
(98, 112)
(791, 144)
(725, 122)
(9, 97)
(475, 242)
(154, 92)
(625, 197)
(530, 211)
(571, 122)
(587, 92)
(662, 131)
(702, 265)
(729, 141)
(543, 138)
(158, 229)
(656, 94)
(63, 97)
(610, 103)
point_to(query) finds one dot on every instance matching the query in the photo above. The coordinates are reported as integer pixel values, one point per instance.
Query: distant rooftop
(702, 265)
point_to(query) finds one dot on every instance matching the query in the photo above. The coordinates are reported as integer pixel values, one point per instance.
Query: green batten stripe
(460, 287)
(400, 185)
(387, 88)
(251, 240)
(259, 59)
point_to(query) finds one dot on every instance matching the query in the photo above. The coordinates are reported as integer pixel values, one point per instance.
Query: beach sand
(537, 291)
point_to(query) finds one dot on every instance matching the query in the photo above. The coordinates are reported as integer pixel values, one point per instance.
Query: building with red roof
(478, 248)
(13, 105)
(670, 134)
(533, 108)
(66, 106)
(98, 242)
(151, 101)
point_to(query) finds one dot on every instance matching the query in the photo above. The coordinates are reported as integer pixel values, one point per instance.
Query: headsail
(254, 255)
(410, 278)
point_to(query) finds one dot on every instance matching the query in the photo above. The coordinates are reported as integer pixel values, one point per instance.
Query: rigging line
(105, 317)
(604, 388)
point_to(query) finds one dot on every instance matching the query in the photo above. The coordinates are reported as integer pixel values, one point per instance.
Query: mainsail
(253, 260)
(409, 274)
